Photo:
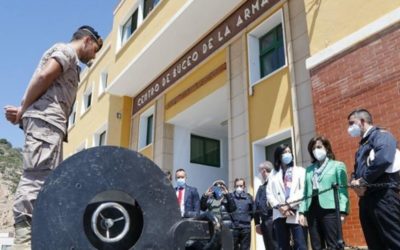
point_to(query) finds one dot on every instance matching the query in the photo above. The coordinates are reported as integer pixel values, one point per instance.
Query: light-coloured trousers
(42, 153)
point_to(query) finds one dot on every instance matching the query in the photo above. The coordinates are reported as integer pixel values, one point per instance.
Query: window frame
(143, 141)
(103, 82)
(253, 42)
(204, 160)
(149, 129)
(72, 116)
(276, 45)
(139, 8)
(130, 20)
(154, 4)
(97, 135)
(86, 104)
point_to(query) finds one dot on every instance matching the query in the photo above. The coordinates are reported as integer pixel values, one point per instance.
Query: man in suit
(188, 197)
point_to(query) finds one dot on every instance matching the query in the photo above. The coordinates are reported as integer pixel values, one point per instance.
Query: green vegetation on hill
(10, 164)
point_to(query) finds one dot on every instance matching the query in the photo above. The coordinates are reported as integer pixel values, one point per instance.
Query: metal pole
(340, 242)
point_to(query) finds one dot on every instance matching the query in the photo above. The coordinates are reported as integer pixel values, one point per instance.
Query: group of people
(278, 210)
(280, 213)
(294, 201)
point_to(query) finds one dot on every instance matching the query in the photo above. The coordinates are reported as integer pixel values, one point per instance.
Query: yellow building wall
(126, 121)
(116, 124)
(199, 73)
(330, 21)
(147, 151)
(152, 25)
(270, 107)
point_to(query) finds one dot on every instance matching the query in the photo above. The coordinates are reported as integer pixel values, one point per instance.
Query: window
(102, 139)
(205, 151)
(87, 100)
(72, 116)
(142, 10)
(149, 130)
(149, 6)
(266, 48)
(146, 128)
(130, 26)
(272, 55)
(100, 136)
(103, 82)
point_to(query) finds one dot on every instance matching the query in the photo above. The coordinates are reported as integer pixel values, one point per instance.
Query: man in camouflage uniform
(43, 116)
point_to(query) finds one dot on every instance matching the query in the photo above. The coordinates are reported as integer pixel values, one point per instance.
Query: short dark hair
(87, 30)
(278, 155)
(240, 179)
(361, 113)
(179, 170)
(325, 142)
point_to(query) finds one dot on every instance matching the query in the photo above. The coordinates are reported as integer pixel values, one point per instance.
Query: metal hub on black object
(113, 198)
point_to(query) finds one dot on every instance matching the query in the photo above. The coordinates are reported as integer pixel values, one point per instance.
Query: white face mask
(287, 158)
(319, 154)
(180, 182)
(239, 190)
(354, 130)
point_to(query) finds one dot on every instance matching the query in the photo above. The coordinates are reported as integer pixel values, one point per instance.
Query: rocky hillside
(10, 171)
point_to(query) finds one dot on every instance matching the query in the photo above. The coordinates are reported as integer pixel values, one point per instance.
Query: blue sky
(27, 29)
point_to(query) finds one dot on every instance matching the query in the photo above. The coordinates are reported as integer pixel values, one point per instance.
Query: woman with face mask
(285, 186)
(319, 211)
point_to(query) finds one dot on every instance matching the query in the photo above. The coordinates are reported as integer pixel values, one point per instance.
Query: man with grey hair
(263, 214)
(379, 207)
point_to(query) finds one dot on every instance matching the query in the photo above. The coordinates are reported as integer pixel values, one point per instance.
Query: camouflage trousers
(42, 153)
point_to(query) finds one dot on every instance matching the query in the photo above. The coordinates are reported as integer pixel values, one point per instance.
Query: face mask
(180, 182)
(239, 190)
(319, 154)
(354, 130)
(218, 193)
(287, 158)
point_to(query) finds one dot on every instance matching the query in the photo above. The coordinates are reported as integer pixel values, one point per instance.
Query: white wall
(199, 176)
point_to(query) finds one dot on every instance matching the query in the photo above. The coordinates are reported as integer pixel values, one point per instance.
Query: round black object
(105, 175)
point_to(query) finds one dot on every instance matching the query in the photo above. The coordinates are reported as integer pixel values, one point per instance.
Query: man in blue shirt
(379, 206)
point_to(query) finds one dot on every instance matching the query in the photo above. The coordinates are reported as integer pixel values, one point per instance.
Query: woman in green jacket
(320, 210)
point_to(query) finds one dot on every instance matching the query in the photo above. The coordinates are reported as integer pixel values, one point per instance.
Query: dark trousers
(269, 238)
(322, 225)
(241, 238)
(380, 219)
(282, 233)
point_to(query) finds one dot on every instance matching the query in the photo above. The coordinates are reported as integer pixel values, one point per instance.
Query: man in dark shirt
(379, 206)
(263, 211)
(241, 218)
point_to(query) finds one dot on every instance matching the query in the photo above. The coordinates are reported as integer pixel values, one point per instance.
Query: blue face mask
(287, 158)
(354, 130)
(180, 182)
(217, 193)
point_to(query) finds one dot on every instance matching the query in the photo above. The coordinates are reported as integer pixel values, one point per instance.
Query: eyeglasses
(98, 41)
